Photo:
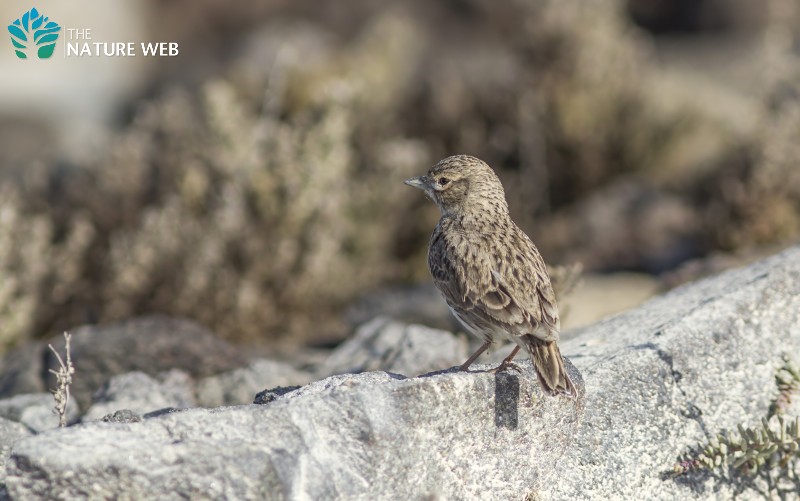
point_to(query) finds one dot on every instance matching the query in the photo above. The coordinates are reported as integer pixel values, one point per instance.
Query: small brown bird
(488, 270)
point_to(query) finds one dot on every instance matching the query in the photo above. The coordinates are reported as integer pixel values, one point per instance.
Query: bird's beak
(420, 182)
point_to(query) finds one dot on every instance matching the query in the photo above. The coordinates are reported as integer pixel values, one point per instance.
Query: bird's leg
(507, 362)
(470, 360)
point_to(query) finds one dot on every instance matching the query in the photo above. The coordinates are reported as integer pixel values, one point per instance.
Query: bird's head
(460, 184)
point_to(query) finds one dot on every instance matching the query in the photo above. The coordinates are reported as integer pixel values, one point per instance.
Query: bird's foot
(507, 364)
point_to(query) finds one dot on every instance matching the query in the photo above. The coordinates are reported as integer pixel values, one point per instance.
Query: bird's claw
(507, 365)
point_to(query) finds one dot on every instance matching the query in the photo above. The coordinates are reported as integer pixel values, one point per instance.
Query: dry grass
(63, 381)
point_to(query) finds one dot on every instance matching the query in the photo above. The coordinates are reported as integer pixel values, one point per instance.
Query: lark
(491, 275)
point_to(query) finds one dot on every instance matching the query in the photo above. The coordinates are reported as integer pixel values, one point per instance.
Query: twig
(63, 380)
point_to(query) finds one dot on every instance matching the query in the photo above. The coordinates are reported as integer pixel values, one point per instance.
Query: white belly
(480, 333)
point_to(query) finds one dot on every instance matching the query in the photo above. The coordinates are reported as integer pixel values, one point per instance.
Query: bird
(488, 270)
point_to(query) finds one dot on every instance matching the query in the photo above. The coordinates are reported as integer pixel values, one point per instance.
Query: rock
(267, 396)
(386, 345)
(36, 411)
(122, 416)
(21, 370)
(410, 304)
(139, 393)
(659, 380)
(365, 436)
(712, 264)
(662, 378)
(10, 432)
(240, 386)
(149, 344)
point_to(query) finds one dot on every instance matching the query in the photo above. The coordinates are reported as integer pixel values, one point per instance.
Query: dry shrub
(756, 201)
(263, 200)
(252, 221)
(39, 269)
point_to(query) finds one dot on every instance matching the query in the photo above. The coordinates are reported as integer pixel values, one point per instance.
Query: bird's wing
(518, 294)
(510, 292)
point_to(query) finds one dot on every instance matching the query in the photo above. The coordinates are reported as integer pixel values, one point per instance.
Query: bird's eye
(443, 181)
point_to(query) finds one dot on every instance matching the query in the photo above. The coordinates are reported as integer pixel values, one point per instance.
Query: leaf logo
(36, 28)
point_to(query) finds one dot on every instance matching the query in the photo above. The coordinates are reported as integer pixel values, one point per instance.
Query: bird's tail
(549, 366)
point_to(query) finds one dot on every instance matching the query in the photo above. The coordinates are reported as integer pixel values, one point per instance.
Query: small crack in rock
(691, 411)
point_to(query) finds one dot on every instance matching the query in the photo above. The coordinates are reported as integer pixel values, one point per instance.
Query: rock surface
(149, 344)
(22, 370)
(663, 377)
(391, 346)
(365, 436)
(240, 386)
(10, 431)
(140, 393)
(411, 304)
(659, 380)
(35, 410)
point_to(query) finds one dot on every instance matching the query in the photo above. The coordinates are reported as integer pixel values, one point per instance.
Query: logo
(34, 28)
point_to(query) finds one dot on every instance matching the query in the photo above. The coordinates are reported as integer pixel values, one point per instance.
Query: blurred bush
(262, 200)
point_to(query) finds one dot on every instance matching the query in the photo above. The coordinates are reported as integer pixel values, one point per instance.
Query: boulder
(409, 304)
(36, 411)
(387, 345)
(150, 344)
(10, 432)
(240, 386)
(667, 376)
(139, 393)
(660, 380)
(22, 370)
(364, 436)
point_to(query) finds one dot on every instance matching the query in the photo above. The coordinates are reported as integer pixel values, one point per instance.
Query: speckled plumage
(488, 270)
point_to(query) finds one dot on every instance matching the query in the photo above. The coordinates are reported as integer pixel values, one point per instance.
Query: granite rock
(140, 393)
(364, 436)
(151, 345)
(410, 304)
(36, 411)
(240, 386)
(10, 432)
(669, 375)
(660, 379)
(388, 345)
